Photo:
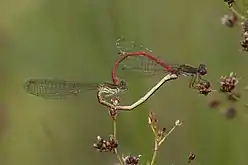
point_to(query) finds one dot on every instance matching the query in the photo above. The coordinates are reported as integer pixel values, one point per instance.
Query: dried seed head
(231, 112)
(244, 26)
(191, 157)
(228, 83)
(229, 3)
(229, 20)
(214, 103)
(131, 160)
(244, 44)
(106, 145)
(152, 119)
(178, 123)
(113, 112)
(204, 87)
(160, 134)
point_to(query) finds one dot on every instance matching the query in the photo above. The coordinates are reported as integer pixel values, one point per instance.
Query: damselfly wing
(59, 89)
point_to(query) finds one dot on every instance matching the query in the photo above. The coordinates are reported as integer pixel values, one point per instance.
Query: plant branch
(114, 128)
(116, 151)
(118, 157)
(155, 152)
(167, 135)
(236, 12)
(158, 141)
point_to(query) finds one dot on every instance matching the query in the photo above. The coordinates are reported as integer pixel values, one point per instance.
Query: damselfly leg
(196, 79)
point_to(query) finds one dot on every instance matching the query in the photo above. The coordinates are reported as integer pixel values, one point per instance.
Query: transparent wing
(55, 88)
(143, 66)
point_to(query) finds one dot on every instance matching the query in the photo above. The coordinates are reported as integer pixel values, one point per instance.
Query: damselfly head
(202, 70)
(123, 85)
(229, 2)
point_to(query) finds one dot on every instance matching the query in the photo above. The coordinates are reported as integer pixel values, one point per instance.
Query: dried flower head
(228, 83)
(244, 44)
(229, 3)
(214, 103)
(161, 134)
(131, 160)
(191, 157)
(106, 145)
(152, 120)
(204, 87)
(230, 113)
(244, 26)
(113, 112)
(229, 20)
(178, 123)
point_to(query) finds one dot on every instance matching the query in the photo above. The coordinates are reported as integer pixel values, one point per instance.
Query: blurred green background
(75, 40)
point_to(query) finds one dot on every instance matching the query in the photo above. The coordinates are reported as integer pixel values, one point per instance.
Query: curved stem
(151, 92)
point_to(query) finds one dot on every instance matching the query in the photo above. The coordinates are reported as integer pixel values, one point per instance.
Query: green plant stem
(114, 128)
(236, 12)
(155, 152)
(244, 7)
(116, 151)
(168, 134)
(158, 143)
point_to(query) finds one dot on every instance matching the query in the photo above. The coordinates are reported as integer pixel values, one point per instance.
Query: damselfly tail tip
(29, 86)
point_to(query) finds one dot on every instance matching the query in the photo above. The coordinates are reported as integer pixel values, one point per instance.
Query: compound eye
(123, 84)
(203, 72)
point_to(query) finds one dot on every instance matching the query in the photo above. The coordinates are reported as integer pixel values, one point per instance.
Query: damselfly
(143, 60)
(59, 89)
(181, 70)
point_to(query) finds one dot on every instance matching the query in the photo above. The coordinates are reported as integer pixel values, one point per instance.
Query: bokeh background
(75, 40)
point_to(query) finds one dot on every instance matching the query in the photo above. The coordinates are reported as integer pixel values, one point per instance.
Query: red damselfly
(147, 63)
(126, 53)
(58, 89)
(181, 70)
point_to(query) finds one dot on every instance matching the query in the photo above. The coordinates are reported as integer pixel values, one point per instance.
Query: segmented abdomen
(55, 88)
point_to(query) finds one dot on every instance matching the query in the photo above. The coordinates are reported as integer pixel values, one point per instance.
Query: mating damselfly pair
(56, 89)
(59, 89)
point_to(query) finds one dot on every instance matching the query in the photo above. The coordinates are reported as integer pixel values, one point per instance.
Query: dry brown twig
(160, 135)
